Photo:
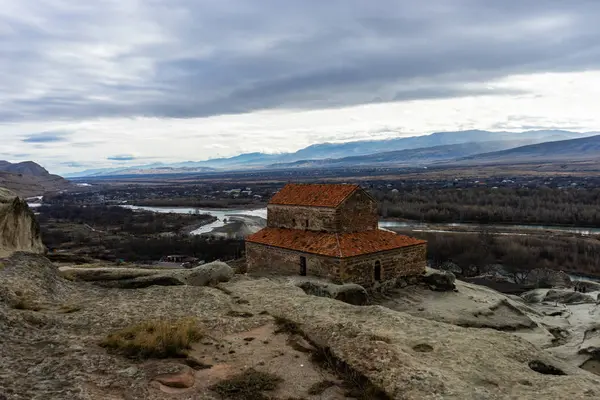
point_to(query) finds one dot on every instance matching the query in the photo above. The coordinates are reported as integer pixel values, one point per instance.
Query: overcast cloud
(230, 76)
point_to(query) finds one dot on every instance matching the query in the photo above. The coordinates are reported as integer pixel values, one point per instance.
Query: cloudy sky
(88, 84)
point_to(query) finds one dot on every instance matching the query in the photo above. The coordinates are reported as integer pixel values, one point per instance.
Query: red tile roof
(303, 194)
(333, 244)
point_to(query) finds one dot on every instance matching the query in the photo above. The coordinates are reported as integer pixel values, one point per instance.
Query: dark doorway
(302, 266)
(377, 271)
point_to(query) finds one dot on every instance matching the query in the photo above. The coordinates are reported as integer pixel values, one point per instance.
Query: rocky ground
(413, 345)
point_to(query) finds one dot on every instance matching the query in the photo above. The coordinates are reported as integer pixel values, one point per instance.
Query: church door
(303, 266)
(377, 271)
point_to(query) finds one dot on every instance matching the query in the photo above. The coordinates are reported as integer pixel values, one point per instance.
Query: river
(222, 214)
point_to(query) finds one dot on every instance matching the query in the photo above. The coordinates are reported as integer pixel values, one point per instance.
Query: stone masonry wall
(405, 261)
(262, 259)
(357, 213)
(296, 217)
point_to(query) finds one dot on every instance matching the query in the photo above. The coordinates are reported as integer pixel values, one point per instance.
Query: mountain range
(581, 149)
(442, 145)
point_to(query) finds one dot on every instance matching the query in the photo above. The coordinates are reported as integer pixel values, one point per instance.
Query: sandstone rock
(19, 229)
(449, 362)
(548, 278)
(137, 278)
(348, 293)
(181, 380)
(439, 280)
(568, 296)
(534, 296)
(207, 274)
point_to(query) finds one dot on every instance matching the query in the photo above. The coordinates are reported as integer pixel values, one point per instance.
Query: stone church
(331, 231)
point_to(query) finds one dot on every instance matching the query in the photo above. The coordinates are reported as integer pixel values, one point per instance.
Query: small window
(294, 222)
(377, 271)
(307, 223)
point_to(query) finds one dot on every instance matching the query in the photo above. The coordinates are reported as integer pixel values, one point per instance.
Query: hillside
(29, 179)
(412, 157)
(325, 151)
(582, 149)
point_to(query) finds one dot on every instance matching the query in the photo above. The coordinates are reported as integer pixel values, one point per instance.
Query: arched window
(377, 271)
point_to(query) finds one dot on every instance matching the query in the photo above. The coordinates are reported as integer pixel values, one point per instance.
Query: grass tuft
(248, 385)
(155, 338)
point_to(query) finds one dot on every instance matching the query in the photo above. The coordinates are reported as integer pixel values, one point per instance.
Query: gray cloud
(121, 157)
(177, 58)
(46, 137)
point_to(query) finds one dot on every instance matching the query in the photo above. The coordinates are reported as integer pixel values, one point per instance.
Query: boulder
(437, 280)
(534, 296)
(451, 267)
(547, 278)
(207, 274)
(348, 293)
(567, 296)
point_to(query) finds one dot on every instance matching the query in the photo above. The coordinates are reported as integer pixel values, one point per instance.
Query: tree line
(552, 206)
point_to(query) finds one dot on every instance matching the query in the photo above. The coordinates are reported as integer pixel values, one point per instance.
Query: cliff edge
(19, 230)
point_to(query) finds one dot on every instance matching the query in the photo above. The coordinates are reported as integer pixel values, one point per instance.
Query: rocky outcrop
(19, 229)
(415, 358)
(547, 278)
(568, 297)
(52, 351)
(562, 296)
(136, 278)
(441, 281)
(349, 293)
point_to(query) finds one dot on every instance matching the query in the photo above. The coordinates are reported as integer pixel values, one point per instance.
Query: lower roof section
(333, 244)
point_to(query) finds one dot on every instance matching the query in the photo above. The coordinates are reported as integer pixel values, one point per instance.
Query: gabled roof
(314, 195)
(333, 244)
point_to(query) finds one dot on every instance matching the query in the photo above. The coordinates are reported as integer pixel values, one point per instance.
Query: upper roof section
(313, 195)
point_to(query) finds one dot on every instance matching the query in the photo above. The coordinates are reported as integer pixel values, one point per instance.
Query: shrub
(155, 338)
(248, 385)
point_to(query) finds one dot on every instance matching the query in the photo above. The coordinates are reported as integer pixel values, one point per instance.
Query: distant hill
(412, 157)
(564, 150)
(25, 168)
(29, 179)
(326, 151)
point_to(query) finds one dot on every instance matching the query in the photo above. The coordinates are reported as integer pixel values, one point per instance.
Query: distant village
(258, 194)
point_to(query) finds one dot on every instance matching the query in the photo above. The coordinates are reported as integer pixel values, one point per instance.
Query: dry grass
(69, 308)
(155, 338)
(248, 385)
